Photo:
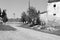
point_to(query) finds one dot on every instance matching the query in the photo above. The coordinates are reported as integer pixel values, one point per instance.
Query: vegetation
(3, 15)
(7, 28)
(32, 17)
(23, 17)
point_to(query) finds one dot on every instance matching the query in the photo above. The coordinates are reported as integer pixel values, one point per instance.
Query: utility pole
(29, 4)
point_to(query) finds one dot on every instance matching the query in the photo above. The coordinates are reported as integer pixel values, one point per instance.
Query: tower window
(54, 14)
(54, 5)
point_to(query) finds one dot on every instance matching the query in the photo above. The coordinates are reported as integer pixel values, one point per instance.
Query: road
(26, 34)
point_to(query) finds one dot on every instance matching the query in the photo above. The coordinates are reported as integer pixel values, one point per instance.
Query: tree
(23, 17)
(4, 16)
(5, 19)
(3, 13)
(0, 12)
(32, 12)
(28, 19)
(34, 15)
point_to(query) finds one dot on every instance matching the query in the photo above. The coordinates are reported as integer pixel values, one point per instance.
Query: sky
(18, 6)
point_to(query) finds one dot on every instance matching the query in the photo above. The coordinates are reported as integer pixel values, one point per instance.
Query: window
(54, 14)
(54, 5)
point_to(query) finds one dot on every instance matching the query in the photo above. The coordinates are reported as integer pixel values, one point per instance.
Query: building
(53, 12)
(52, 16)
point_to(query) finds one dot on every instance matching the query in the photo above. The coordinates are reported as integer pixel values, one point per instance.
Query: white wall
(43, 17)
(51, 10)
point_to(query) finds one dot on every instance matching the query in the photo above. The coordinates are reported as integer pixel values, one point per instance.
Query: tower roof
(50, 1)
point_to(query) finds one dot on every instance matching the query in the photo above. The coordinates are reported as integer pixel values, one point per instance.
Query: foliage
(23, 17)
(5, 19)
(32, 12)
(32, 17)
(3, 13)
(0, 12)
(4, 16)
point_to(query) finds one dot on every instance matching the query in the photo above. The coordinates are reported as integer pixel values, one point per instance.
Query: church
(52, 17)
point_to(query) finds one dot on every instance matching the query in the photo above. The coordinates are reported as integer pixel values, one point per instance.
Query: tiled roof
(50, 1)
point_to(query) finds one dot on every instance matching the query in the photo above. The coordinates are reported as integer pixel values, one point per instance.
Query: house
(43, 17)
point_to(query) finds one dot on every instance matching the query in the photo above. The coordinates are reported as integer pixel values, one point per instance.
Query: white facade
(53, 12)
(52, 17)
(43, 17)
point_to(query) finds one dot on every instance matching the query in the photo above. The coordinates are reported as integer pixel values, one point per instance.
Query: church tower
(53, 10)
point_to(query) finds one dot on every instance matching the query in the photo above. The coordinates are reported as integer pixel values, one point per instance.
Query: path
(26, 34)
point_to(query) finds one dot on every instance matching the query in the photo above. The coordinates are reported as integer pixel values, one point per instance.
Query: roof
(50, 1)
(43, 12)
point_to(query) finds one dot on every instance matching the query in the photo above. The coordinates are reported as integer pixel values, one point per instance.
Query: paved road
(26, 34)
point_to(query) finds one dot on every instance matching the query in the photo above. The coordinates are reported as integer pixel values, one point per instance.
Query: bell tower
(53, 10)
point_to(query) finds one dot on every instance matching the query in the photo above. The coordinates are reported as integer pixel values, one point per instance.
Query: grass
(6, 28)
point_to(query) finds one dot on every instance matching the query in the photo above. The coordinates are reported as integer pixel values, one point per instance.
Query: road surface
(26, 34)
